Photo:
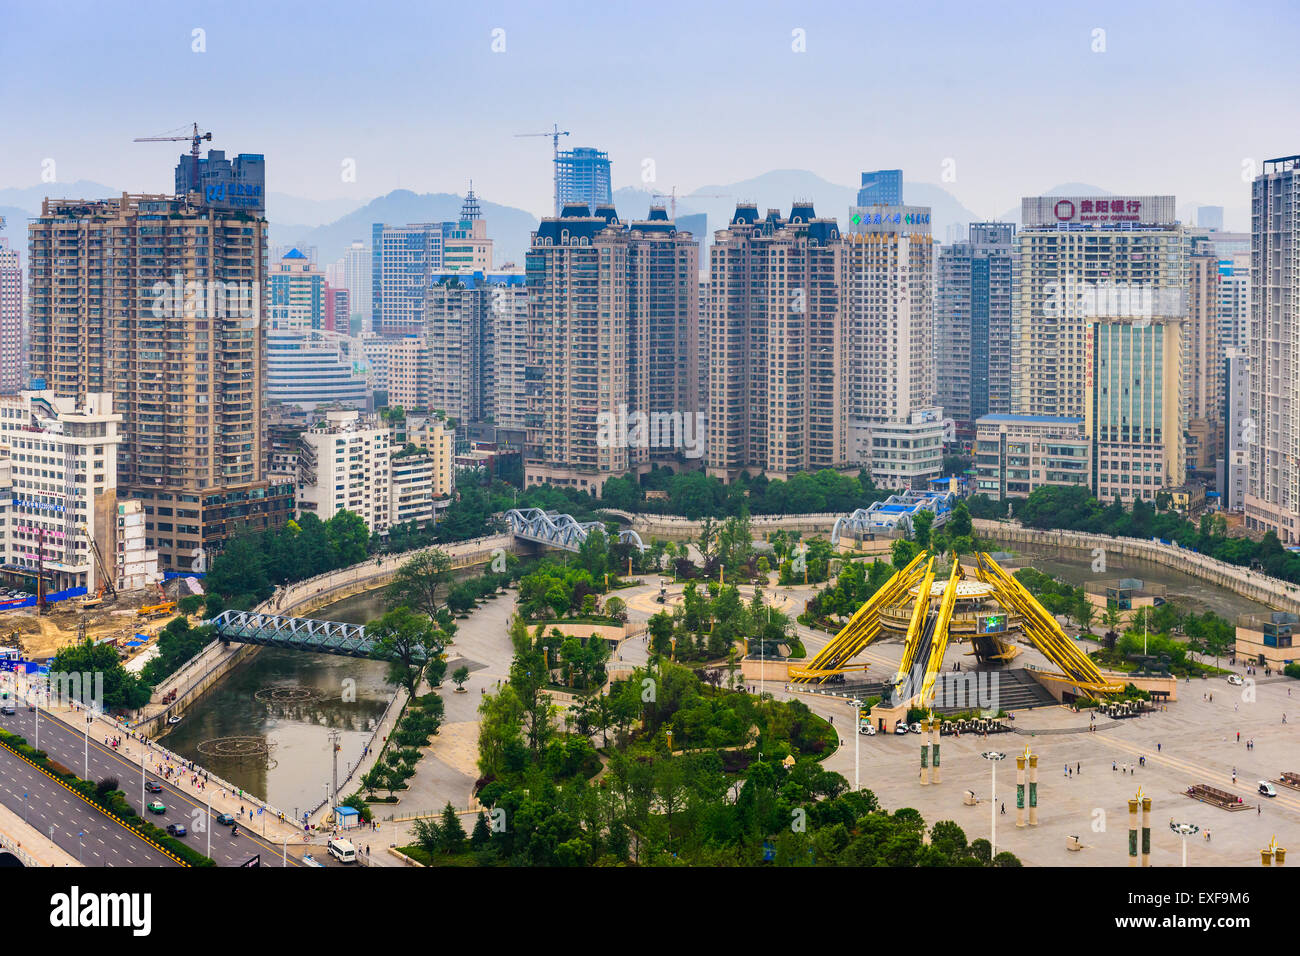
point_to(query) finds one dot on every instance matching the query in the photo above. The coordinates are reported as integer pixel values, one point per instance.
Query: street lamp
(25, 805)
(86, 741)
(1184, 830)
(81, 847)
(209, 796)
(857, 738)
(993, 756)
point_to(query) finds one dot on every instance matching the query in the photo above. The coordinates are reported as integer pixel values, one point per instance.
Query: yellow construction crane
(195, 138)
(106, 588)
(555, 135)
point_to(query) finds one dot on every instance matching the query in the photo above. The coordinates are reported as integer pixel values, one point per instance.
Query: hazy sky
(711, 91)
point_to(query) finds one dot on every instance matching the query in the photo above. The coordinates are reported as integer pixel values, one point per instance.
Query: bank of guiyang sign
(1098, 210)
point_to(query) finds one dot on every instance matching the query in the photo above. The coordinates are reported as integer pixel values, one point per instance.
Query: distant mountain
(29, 197)
(308, 213)
(509, 228)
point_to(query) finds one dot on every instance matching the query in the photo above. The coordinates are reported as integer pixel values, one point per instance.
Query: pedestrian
(1004, 808)
(1113, 766)
(1239, 736)
(1078, 768)
(1157, 746)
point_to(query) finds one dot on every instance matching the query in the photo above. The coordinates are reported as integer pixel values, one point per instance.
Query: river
(282, 705)
(1189, 593)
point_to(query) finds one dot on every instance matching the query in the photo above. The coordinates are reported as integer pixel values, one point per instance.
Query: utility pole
(334, 752)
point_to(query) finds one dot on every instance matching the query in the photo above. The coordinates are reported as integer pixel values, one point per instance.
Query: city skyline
(939, 128)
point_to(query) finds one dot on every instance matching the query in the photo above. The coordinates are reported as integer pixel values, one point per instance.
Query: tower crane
(194, 139)
(106, 588)
(671, 196)
(555, 134)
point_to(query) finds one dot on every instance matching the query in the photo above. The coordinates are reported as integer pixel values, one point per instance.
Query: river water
(1189, 593)
(288, 702)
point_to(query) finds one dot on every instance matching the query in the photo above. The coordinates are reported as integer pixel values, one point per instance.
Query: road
(53, 810)
(68, 748)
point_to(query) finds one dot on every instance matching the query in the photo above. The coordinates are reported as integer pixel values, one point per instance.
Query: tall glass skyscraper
(882, 187)
(582, 175)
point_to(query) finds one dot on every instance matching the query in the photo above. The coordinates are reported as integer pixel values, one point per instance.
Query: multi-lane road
(104, 841)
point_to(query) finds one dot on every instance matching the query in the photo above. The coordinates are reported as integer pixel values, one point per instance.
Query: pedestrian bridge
(559, 531)
(296, 633)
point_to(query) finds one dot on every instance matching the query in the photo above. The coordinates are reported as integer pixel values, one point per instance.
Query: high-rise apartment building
(895, 427)
(601, 295)
(295, 294)
(881, 187)
(1082, 257)
(338, 310)
(463, 316)
(1273, 496)
(1234, 301)
(1202, 358)
(582, 176)
(974, 283)
(160, 301)
(353, 274)
(11, 319)
(777, 335)
(1239, 431)
(405, 260)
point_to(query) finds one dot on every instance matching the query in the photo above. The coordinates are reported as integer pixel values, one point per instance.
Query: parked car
(157, 806)
(177, 830)
(153, 786)
(900, 728)
(225, 819)
(1267, 789)
(1235, 679)
(866, 729)
(915, 727)
(8, 709)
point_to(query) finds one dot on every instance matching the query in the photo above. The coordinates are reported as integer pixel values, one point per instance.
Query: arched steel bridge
(895, 514)
(296, 633)
(559, 531)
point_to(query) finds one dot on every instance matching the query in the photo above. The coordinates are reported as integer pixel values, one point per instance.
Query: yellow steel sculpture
(939, 643)
(928, 633)
(1077, 669)
(862, 629)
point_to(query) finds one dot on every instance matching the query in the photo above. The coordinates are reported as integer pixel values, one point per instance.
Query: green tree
(408, 642)
(459, 676)
(419, 581)
(451, 835)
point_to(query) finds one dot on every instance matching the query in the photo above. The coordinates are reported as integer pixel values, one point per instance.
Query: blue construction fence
(52, 598)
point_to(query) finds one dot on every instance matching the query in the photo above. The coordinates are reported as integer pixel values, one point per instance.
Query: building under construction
(158, 300)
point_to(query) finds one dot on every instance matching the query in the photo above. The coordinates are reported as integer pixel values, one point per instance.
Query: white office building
(58, 487)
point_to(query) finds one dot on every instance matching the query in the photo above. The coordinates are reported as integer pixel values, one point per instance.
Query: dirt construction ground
(40, 636)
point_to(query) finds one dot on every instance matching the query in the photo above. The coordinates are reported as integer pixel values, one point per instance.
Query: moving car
(153, 786)
(8, 709)
(1235, 679)
(176, 830)
(343, 851)
(900, 728)
(915, 727)
(866, 729)
(1267, 789)
(225, 819)
(157, 806)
